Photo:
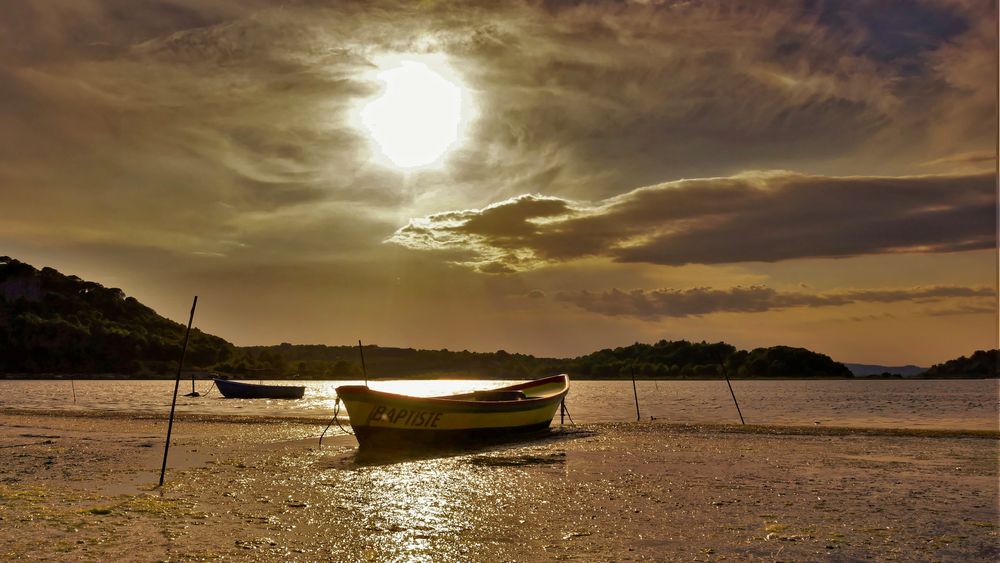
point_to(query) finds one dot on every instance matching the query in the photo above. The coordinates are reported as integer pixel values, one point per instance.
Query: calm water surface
(927, 404)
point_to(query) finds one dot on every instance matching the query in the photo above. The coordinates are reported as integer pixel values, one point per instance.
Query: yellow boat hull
(382, 419)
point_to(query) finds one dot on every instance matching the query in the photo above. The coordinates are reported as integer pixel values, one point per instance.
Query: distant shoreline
(201, 377)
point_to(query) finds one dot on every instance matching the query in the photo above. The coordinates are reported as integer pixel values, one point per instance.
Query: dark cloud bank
(752, 217)
(655, 304)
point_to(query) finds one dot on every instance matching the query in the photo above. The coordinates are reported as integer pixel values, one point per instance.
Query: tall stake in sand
(177, 383)
(738, 411)
(364, 370)
(636, 395)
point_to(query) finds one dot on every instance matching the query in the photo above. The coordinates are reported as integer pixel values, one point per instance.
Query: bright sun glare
(419, 114)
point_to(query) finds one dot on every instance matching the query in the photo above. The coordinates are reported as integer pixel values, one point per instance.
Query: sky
(549, 178)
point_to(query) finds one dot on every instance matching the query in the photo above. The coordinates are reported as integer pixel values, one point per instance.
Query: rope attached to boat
(336, 411)
(205, 394)
(564, 410)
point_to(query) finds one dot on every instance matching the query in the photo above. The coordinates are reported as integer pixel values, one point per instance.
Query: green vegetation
(56, 324)
(51, 323)
(663, 360)
(683, 359)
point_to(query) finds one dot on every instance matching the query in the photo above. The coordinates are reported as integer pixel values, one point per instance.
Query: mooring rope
(336, 411)
(564, 409)
(205, 394)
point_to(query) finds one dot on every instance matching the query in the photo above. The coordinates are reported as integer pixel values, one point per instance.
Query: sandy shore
(82, 488)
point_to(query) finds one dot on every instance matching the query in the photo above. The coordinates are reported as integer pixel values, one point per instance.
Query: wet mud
(79, 488)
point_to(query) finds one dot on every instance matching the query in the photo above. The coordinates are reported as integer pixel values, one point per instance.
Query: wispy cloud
(655, 304)
(979, 159)
(983, 309)
(765, 217)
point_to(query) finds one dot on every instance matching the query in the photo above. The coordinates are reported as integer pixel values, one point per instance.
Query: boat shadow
(374, 457)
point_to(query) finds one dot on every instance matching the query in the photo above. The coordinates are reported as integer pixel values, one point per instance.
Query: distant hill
(317, 361)
(863, 370)
(665, 360)
(51, 323)
(683, 359)
(982, 363)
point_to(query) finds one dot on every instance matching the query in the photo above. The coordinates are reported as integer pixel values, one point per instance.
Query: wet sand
(83, 488)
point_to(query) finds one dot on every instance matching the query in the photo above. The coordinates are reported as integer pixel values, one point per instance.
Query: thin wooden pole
(734, 400)
(364, 370)
(177, 383)
(193, 393)
(73, 384)
(636, 395)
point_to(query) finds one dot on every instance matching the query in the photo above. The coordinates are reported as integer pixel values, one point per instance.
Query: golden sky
(549, 178)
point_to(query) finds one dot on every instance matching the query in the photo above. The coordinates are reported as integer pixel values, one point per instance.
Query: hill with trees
(878, 370)
(338, 362)
(982, 363)
(51, 323)
(663, 360)
(683, 359)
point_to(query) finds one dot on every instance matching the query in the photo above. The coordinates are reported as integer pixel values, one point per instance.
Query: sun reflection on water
(423, 510)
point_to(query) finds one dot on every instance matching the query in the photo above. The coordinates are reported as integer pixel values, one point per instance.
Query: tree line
(663, 360)
(982, 363)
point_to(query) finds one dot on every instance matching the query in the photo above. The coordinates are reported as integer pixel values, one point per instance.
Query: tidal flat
(79, 487)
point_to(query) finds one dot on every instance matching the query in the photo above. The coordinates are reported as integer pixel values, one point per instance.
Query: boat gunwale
(362, 393)
(460, 397)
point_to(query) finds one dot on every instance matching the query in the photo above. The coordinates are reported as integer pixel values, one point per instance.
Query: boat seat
(499, 395)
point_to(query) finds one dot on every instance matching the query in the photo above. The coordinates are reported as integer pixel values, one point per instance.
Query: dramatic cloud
(763, 217)
(655, 304)
(669, 90)
(249, 103)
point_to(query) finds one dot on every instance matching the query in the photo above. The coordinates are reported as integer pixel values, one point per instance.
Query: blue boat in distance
(237, 390)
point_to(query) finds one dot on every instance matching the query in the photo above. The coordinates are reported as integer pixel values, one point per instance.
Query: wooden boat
(387, 420)
(237, 390)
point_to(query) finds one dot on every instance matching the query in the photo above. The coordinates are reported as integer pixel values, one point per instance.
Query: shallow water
(920, 404)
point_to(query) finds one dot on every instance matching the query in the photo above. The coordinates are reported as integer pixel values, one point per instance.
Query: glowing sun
(420, 112)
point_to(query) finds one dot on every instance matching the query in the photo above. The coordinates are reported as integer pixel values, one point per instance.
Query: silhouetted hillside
(982, 363)
(867, 370)
(665, 359)
(324, 362)
(52, 323)
(683, 359)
